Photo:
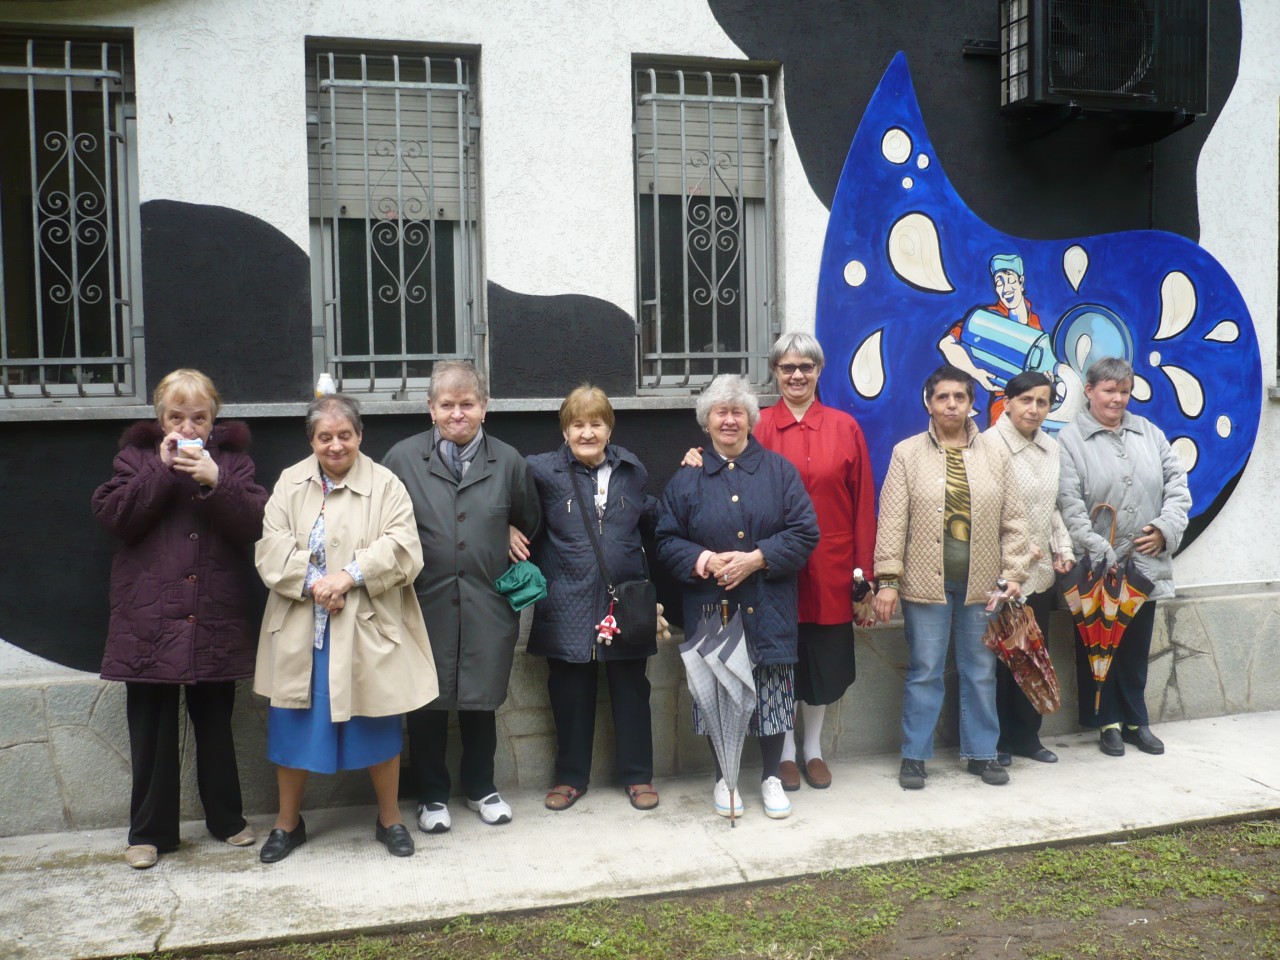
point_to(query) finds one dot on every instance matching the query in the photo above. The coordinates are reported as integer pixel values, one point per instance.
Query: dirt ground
(1211, 893)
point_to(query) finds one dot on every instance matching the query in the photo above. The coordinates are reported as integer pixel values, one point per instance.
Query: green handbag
(522, 584)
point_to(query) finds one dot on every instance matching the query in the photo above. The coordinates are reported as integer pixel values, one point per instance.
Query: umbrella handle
(1093, 515)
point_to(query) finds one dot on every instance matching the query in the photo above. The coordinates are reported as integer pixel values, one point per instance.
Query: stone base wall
(64, 746)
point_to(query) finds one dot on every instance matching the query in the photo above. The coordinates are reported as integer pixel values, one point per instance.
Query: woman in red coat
(827, 447)
(185, 505)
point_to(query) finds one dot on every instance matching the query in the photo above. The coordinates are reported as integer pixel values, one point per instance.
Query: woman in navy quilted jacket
(184, 503)
(588, 473)
(739, 528)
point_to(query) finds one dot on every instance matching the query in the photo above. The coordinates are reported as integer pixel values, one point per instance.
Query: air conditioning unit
(1129, 56)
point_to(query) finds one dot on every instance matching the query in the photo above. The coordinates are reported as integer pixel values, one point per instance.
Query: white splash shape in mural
(1075, 261)
(1141, 389)
(1177, 304)
(1186, 450)
(866, 372)
(922, 161)
(896, 145)
(1083, 346)
(1224, 332)
(916, 254)
(1188, 390)
(855, 273)
(907, 183)
(1154, 358)
(1223, 426)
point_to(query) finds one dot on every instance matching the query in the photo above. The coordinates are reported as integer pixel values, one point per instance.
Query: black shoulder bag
(633, 604)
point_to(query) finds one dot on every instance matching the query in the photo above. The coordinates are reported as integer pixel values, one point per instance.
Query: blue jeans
(930, 629)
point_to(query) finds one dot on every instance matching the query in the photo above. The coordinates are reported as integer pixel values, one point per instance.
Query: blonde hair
(585, 403)
(187, 384)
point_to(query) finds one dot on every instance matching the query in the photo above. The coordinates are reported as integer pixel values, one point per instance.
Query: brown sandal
(563, 797)
(643, 796)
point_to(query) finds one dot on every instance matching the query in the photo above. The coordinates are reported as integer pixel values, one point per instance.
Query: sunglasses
(787, 369)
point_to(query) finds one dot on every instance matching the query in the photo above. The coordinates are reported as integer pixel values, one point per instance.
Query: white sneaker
(434, 818)
(493, 809)
(776, 804)
(722, 799)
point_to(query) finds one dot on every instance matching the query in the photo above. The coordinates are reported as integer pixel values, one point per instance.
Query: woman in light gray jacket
(1115, 457)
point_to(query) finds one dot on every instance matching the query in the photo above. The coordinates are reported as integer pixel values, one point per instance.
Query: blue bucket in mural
(1005, 347)
(1088, 333)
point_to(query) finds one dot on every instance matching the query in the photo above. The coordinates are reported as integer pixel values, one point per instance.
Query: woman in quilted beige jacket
(951, 524)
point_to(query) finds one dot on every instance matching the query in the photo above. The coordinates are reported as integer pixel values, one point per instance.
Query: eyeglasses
(787, 369)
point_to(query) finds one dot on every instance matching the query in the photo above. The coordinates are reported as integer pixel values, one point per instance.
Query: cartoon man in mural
(1011, 305)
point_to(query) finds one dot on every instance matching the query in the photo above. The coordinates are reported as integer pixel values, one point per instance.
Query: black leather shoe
(1143, 739)
(1004, 758)
(911, 775)
(990, 771)
(280, 843)
(1040, 755)
(1109, 742)
(395, 838)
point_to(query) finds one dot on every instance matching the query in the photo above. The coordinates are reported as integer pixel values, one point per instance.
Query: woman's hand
(519, 545)
(1036, 553)
(330, 591)
(692, 457)
(195, 463)
(1151, 543)
(1062, 564)
(734, 566)
(1012, 591)
(885, 603)
(169, 447)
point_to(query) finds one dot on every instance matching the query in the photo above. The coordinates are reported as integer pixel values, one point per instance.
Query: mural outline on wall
(909, 272)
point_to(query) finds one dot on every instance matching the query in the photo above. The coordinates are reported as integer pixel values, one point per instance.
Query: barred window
(704, 225)
(394, 207)
(69, 324)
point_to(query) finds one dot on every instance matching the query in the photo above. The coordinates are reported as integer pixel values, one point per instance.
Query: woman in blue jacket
(740, 527)
(590, 477)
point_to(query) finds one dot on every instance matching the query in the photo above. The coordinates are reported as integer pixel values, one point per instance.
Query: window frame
(327, 212)
(109, 212)
(701, 89)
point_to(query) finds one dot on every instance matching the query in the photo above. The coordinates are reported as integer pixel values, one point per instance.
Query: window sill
(243, 411)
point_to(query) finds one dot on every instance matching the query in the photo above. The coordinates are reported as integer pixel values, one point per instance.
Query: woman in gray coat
(468, 490)
(1115, 457)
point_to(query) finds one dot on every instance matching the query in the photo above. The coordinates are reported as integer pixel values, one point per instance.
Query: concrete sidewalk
(71, 895)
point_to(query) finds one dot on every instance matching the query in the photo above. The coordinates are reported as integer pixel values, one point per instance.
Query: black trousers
(1019, 720)
(428, 746)
(152, 711)
(1124, 694)
(572, 688)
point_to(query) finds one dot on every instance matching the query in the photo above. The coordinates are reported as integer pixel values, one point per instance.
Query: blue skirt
(310, 740)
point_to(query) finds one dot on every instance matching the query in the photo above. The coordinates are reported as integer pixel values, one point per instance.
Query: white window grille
(704, 225)
(394, 207)
(69, 324)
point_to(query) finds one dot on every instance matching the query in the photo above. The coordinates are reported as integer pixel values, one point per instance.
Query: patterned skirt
(775, 701)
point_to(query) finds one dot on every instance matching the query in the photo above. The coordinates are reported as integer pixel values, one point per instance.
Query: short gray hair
(334, 405)
(1109, 368)
(732, 390)
(457, 375)
(805, 344)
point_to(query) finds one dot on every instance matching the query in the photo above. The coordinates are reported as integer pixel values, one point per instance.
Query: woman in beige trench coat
(343, 651)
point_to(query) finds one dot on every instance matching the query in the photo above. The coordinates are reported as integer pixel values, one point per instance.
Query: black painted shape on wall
(57, 608)
(229, 294)
(546, 346)
(1071, 183)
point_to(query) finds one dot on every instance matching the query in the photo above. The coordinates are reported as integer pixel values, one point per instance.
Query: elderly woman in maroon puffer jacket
(184, 502)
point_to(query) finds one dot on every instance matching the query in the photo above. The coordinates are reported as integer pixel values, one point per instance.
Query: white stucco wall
(1238, 225)
(221, 114)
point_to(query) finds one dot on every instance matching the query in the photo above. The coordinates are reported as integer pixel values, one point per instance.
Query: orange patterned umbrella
(1103, 602)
